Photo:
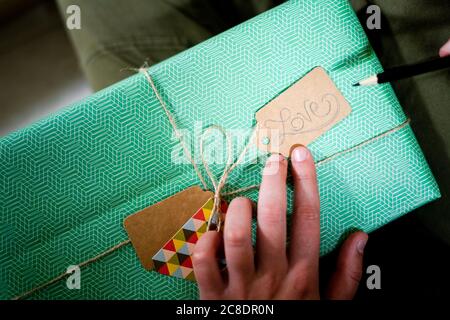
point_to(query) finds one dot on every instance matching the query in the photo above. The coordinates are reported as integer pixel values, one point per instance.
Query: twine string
(65, 274)
(215, 215)
(172, 121)
(230, 166)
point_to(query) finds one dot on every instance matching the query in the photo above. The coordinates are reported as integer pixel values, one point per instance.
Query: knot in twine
(215, 217)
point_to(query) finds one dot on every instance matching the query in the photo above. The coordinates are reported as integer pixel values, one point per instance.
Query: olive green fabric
(117, 34)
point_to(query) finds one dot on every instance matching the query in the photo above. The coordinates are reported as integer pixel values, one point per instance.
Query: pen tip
(356, 84)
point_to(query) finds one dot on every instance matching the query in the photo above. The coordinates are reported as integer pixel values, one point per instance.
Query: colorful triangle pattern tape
(174, 258)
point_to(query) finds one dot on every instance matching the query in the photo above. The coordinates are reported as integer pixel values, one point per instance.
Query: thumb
(445, 49)
(344, 282)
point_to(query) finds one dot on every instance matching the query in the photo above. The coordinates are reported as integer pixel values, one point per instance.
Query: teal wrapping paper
(68, 181)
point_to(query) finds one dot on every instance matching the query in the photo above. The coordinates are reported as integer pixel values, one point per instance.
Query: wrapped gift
(69, 181)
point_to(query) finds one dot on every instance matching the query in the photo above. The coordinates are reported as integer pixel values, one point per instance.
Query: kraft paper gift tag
(174, 258)
(152, 227)
(300, 114)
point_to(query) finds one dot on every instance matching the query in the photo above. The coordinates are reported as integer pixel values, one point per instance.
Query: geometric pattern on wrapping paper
(174, 258)
(68, 181)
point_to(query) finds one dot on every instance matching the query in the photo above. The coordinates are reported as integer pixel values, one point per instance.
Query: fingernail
(273, 164)
(361, 245)
(300, 154)
(275, 158)
(445, 50)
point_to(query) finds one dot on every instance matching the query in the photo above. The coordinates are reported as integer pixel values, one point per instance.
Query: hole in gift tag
(265, 141)
(300, 114)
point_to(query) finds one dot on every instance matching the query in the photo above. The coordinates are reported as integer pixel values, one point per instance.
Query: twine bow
(216, 216)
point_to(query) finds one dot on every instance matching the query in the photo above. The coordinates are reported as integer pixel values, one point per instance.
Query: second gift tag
(300, 114)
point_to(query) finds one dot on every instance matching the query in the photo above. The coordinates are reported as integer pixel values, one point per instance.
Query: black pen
(406, 71)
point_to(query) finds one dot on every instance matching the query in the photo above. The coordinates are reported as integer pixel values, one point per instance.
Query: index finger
(305, 234)
(271, 231)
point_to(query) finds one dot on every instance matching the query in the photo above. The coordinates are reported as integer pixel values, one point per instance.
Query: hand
(274, 271)
(445, 49)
